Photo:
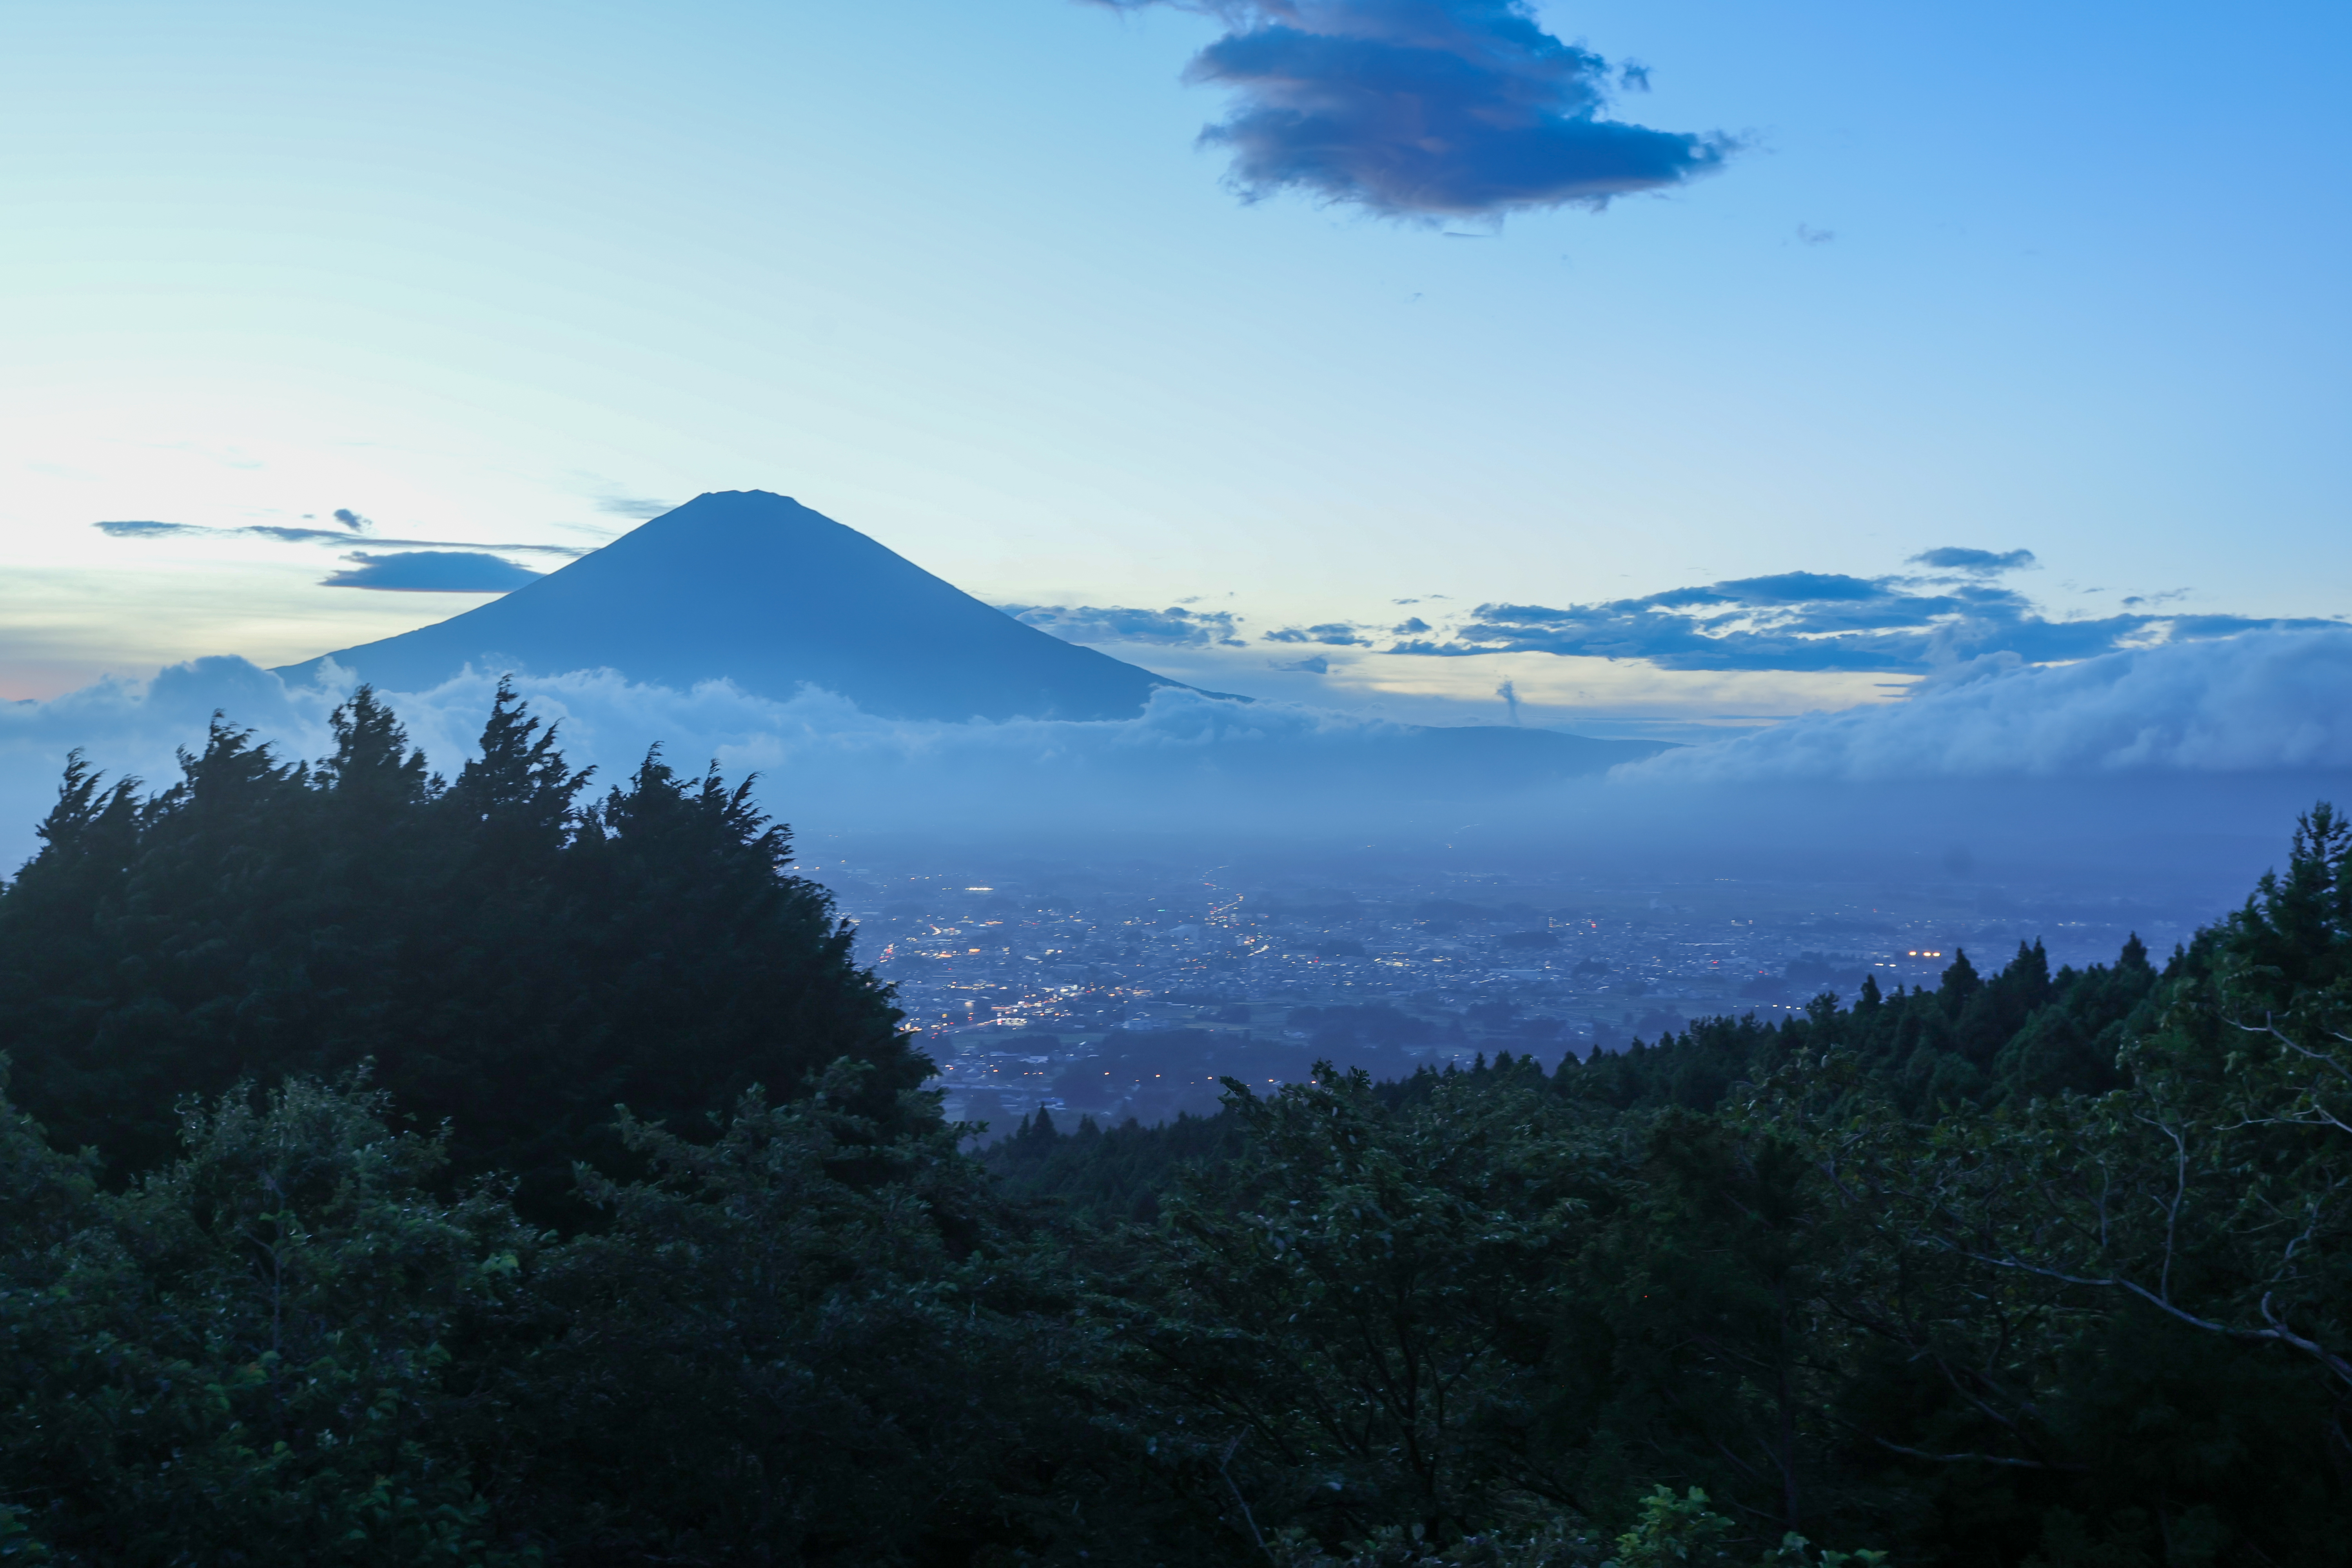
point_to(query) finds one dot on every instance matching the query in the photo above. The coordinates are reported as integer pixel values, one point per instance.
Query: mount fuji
(759, 590)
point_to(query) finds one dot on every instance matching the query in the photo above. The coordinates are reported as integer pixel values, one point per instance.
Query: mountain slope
(759, 589)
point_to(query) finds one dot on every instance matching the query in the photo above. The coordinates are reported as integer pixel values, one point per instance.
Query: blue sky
(1996, 277)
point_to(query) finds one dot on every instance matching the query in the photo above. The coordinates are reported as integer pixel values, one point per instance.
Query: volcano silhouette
(758, 589)
(755, 588)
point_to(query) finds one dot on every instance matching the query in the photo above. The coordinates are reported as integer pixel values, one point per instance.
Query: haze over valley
(1169, 885)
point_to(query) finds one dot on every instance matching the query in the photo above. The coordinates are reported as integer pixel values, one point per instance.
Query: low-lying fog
(2168, 777)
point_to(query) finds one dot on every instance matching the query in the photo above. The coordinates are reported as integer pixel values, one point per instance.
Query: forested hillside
(2025, 1034)
(362, 1266)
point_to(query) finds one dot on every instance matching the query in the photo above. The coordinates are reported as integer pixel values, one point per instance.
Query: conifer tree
(517, 795)
(372, 766)
(511, 963)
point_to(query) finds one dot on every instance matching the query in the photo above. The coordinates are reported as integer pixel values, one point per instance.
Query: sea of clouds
(824, 763)
(2191, 756)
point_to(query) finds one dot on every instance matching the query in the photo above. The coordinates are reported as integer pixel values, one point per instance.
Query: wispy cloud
(287, 535)
(1174, 626)
(1813, 621)
(432, 572)
(633, 506)
(1978, 562)
(1427, 108)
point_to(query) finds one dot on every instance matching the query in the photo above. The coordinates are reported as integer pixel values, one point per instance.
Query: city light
(1115, 1002)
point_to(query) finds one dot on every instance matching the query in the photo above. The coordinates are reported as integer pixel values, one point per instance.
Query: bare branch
(2278, 1332)
(1975, 1458)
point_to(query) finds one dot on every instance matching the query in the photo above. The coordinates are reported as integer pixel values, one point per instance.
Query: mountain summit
(758, 589)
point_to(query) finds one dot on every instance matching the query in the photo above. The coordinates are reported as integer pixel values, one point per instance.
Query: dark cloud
(1412, 627)
(1426, 108)
(432, 572)
(1313, 664)
(1985, 562)
(353, 519)
(1331, 633)
(1174, 626)
(1824, 621)
(285, 535)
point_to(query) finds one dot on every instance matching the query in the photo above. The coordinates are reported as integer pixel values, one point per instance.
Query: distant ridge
(758, 589)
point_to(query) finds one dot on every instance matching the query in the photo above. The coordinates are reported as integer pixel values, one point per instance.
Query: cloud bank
(2267, 701)
(1426, 108)
(1828, 621)
(2082, 777)
(1189, 761)
(1174, 626)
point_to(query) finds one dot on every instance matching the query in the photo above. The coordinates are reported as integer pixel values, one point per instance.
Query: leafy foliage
(248, 1355)
(822, 1342)
(1353, 1296)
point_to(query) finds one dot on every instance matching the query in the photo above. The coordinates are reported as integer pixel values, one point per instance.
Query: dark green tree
(511, 963)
